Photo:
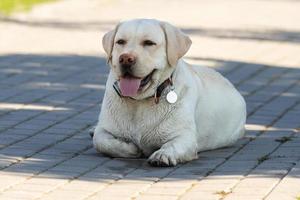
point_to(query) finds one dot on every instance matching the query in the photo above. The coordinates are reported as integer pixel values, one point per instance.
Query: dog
(157, 105)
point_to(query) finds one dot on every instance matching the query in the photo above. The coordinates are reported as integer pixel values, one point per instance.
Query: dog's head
(143, 53)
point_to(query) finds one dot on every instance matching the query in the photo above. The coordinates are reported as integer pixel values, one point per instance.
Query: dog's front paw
(162, 158)
(130, 150)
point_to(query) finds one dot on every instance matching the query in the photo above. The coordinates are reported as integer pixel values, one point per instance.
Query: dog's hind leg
(106, 143)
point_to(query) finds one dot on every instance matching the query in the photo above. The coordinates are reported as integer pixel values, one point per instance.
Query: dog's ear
(108, 42)
(177, 43)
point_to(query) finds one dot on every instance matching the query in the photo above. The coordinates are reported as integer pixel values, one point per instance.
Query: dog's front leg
(106, 143)
(180, 149)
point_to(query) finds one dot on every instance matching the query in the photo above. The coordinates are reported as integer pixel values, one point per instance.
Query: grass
(9, 6)
(298, 198)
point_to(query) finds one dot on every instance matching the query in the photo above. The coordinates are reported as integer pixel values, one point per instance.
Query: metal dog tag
(171, 96)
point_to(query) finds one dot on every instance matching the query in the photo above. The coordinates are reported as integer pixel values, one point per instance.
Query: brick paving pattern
(52, 76)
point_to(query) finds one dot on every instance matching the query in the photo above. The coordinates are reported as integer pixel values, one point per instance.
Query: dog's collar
(157, 94)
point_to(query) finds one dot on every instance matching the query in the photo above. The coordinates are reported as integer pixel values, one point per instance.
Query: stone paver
(52, 80)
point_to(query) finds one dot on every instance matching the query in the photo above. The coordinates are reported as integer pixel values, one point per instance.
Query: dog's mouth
(131, 85)
(146, 80)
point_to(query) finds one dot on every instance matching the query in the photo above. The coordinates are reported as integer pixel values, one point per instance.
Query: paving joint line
(37, 100)
(56, 123)
(159, 179)
(48, 95)
(87, 108)
(251, 139)
(262, 132)
(47, 147)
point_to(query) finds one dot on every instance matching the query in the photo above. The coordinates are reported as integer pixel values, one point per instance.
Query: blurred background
(264, 31)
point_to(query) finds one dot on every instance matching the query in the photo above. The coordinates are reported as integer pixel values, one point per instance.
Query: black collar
(157, 93)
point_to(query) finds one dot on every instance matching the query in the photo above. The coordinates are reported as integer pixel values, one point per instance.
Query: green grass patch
(9, 6)
(298, 198)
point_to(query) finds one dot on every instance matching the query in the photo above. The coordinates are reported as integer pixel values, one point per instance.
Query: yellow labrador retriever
(157, 105)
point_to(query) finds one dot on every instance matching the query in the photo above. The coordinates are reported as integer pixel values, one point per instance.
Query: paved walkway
(52, 76)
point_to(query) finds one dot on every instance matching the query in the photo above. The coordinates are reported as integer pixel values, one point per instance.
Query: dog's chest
(144, 123)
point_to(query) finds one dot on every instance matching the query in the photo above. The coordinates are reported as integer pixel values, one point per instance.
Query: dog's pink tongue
(129, 86)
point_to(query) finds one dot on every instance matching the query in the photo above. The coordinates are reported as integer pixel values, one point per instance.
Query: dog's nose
(127, 59)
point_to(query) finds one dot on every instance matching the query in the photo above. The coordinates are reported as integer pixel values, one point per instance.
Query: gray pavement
(52, 76)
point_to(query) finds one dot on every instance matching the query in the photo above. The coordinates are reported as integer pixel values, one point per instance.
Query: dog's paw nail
(153, 163)
(160, 159)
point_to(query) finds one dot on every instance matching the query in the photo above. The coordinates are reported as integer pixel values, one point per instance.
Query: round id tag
(171, 96)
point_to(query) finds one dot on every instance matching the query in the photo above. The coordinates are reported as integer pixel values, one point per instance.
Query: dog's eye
(148, 43)
(121, 42)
